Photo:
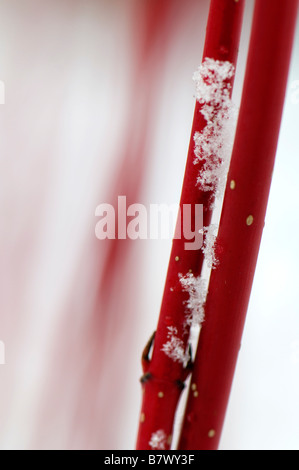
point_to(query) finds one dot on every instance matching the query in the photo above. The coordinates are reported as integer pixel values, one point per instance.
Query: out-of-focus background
(99, 102)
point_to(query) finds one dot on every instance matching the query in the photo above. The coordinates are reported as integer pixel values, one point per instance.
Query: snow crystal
(212, 87)
(158, 440)
(208, 246)
(197, 289)
(213, 144)
(174, 347)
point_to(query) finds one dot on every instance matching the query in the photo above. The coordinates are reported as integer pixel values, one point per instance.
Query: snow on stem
(166, 371)
(241, 223)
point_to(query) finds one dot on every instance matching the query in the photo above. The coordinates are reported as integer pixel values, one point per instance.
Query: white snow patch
(158, 440)
(197, 289)
(175, 348)
(213, 145)
(208, 246)
(212, 87)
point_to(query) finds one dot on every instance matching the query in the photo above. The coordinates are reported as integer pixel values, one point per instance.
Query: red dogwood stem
(164, 377)
(242, 222)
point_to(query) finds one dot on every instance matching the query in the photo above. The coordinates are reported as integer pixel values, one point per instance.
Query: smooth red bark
(242, 222)
(163, 382)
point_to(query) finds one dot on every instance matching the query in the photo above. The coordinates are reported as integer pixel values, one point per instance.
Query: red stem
(242, 222)
(164, 378)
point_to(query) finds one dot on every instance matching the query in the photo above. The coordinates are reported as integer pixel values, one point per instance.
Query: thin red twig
(164, 378)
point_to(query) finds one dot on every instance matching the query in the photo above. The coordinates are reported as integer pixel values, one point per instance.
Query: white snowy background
(68, 70)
